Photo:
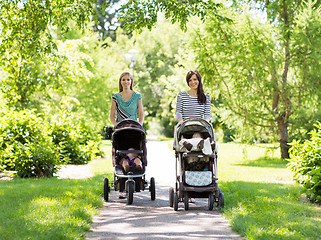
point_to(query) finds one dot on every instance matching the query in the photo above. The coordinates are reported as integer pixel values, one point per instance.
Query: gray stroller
(196, 179)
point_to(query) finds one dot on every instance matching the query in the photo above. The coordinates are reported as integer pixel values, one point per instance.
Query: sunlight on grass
(48, 208)
(251, 163)
(103, 165)
(52, 208)
(262, 201)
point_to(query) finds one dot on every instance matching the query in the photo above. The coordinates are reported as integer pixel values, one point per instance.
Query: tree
(139, 14)
(158, 50)
(267, 73)
(27, 44)
(107, 22)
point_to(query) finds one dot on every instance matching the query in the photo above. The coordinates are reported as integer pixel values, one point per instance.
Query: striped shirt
(188, 106)
(127, 109)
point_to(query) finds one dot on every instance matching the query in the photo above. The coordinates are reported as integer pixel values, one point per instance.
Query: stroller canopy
(130, 134)
(191, 125)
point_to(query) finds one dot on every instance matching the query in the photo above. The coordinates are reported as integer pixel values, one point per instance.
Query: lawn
(261, 201)
(52, 208)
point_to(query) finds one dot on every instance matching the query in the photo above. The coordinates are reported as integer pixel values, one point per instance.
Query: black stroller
(197, 179)
(129, 134)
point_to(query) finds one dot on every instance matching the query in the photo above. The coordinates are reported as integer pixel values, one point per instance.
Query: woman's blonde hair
(121, 77)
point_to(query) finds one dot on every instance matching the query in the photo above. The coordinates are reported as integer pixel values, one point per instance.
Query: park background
(61, 61)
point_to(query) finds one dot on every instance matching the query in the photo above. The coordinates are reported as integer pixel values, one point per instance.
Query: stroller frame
(127, 133)
(182, 191)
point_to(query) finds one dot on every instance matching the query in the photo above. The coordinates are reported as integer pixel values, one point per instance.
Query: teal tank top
(127, 109)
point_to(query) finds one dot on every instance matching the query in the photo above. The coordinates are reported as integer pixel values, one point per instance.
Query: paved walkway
(146, 219)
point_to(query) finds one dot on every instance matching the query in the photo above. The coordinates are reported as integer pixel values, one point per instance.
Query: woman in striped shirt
(193, 103)
(127, 103)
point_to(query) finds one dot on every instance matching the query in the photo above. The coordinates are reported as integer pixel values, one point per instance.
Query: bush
(25, 146)
(36, 159)
(167, 126)
(75, 137)
(305, 163)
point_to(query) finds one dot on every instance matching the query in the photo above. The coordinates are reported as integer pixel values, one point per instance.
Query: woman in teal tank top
(127, 104)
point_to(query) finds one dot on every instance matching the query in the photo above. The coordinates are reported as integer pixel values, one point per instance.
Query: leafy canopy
(27, 41)
(139, 14)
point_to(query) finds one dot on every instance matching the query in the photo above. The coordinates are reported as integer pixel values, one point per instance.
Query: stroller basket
(198, 178)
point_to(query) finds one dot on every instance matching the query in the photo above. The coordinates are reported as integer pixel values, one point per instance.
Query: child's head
(197, 135)
(132, 154)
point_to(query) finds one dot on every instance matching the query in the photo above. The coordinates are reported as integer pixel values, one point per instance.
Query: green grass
(261, 201)
(51, 208)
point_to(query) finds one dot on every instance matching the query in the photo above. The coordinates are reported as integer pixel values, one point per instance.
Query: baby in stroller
(131, 161)
(196, 164)
(197, 143)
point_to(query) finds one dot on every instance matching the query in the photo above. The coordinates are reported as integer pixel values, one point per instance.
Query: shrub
(36, 159)
(305, 163)
(168, 125)
(25, 146)
(75, 137)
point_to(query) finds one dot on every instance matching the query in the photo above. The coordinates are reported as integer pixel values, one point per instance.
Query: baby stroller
(197, 179)
(129, 134)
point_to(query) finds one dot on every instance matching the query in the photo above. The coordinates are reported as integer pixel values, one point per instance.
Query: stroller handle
(199, 155)
(129, 151)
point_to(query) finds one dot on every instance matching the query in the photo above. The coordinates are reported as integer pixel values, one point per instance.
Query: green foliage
(156, 60)
(76, 138)
(170, 88)
(35, 149)
(158, 49)
(91, 77)
(248, 69)
(35, 159)
(94, 95)
(27, 45)
(25, 145)
(107, 22)
(139, 14)
(306, 163)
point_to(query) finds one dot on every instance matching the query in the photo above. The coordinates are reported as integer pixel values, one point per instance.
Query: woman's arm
(113, 113)
(140, 111)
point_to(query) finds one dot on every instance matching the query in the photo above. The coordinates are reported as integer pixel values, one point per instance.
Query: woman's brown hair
(201, 98)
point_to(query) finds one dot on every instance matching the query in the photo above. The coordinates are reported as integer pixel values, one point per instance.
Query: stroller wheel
(175, 201)
(221, 200)
(106, 189)
(186, 203)
(131, 188)
(210, 201)
(171, 197)
(152, 189)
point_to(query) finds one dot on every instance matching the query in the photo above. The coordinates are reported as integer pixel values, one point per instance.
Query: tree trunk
(283, 137)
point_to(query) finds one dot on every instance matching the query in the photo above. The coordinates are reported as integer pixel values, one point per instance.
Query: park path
(146, 219)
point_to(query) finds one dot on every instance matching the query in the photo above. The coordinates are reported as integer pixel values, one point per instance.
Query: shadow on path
(146, 219)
